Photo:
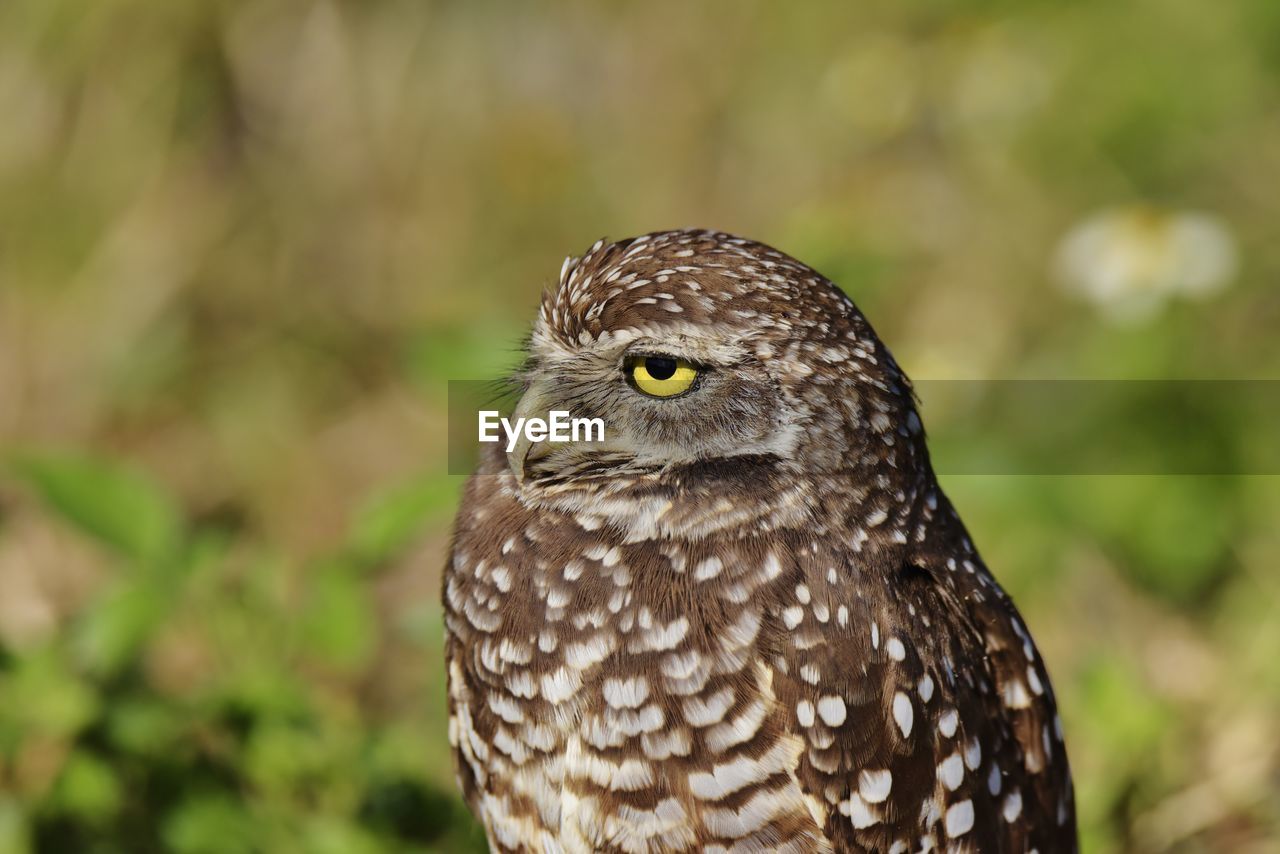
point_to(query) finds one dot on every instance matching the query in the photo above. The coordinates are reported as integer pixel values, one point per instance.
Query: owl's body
(748, 619)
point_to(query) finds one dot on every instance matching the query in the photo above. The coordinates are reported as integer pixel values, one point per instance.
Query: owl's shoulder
(923, 702)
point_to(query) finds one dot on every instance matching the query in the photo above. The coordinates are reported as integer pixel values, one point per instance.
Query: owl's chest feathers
(603, 677)
(607, 677)
(668, 616)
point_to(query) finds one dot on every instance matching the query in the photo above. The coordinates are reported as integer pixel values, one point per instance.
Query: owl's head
(701, 349)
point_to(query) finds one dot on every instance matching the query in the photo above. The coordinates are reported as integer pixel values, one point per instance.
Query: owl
(745, 618)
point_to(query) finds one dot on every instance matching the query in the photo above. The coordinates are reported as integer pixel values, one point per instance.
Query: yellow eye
(661, 376)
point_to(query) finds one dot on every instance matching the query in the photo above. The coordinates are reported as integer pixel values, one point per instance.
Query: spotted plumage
(747, 619)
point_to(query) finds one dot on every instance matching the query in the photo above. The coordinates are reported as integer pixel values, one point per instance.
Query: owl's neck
(744, 497)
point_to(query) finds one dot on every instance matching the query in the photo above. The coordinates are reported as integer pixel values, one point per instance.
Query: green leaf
(42, 696)
(117, 626)
(88, 788)
(334, 835)
(210, 824)
(143, 726)
(107, 500)
(318, 757)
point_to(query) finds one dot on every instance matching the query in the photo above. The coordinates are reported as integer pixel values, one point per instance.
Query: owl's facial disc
(665, 400)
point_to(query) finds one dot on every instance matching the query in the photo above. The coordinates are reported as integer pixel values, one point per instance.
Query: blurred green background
(245, 245)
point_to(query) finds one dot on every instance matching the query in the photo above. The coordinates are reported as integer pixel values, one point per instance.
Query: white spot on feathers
(959, 818)
(832, 710)
(903, 713)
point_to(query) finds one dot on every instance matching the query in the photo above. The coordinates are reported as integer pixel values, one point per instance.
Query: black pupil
(660, 368)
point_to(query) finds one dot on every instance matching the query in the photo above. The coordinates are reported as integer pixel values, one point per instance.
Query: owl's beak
(536, 403)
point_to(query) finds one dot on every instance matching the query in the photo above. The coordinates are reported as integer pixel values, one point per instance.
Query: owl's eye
(661, 376)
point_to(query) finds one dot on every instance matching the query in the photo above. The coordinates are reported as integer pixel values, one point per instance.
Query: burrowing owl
(747, 619)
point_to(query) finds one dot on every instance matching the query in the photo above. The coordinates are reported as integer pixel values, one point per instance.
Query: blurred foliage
(245, 244)
(177, 711)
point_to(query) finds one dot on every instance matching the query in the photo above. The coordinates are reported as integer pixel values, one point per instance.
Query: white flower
(1128, 261)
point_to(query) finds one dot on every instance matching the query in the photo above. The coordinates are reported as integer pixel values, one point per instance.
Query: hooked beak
(536, 403)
